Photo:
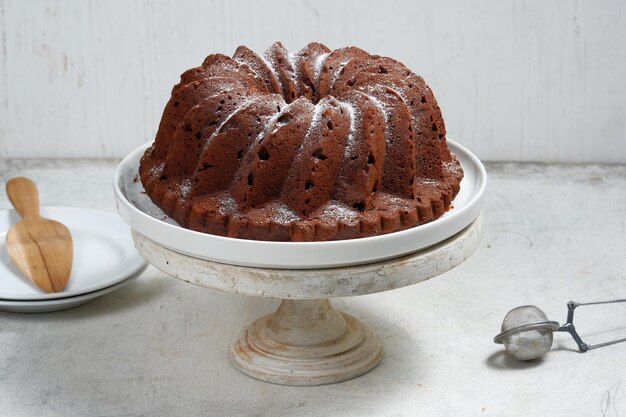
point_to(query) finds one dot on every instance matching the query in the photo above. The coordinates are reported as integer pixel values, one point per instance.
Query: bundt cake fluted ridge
(313, 145)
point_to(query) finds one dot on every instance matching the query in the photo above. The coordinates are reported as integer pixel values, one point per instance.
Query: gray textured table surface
(159, 347)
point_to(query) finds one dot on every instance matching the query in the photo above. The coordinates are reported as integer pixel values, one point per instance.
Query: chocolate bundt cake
(311, 146)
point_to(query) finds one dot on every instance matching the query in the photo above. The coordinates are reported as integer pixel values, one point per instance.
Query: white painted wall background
(516, 80)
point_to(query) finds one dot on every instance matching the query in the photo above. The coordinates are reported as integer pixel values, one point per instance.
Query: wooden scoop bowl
(41, 248)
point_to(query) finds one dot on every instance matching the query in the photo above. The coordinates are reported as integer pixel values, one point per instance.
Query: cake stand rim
(309, 284)
(308, 255)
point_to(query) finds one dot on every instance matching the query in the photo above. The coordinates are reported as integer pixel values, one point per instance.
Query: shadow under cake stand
(306, 341)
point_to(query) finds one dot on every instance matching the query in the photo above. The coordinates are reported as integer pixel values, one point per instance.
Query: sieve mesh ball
(529, 344)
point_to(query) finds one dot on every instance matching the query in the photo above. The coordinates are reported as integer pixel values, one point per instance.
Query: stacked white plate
(105, 259)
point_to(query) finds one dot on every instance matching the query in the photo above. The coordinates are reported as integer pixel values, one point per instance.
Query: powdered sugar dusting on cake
(220, 84)
(252, 65)
(266, 57)
(341, 213)
(237, 109)
(228, 205)
(281, 213)
(156, 170)
(391, 200)
(136, 194)
(390, 89)
(315, 119)
(184, 187)
(380, 105)
(406, 101)
(258, 78)
(426, 181)
(336, 74)
(272, 121)
(453, 167)
(319, 63)
(242, 60)
(350, 143)
(383, 109)
(246, 63)
(292, 58)
(229, 64)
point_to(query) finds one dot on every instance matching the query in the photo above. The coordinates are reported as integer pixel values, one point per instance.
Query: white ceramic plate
(45, 306)
(104, 254)
(146, 218)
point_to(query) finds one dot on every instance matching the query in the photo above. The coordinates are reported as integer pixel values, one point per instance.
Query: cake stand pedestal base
(306, 342)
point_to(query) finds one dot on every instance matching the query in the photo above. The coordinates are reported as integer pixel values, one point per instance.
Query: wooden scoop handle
(24, 196)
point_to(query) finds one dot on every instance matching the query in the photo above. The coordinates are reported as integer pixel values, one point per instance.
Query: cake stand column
(306, 342)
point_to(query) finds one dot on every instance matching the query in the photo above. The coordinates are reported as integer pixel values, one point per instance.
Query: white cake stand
(306, 341)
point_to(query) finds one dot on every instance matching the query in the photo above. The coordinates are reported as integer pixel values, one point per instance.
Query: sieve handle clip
(571, 329)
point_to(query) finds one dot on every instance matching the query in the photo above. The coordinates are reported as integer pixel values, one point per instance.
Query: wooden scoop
(41, 248)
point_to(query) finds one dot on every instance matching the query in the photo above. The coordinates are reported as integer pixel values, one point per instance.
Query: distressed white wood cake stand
(306, 341)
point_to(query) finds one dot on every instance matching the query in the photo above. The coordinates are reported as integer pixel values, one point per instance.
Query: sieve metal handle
(571, 329)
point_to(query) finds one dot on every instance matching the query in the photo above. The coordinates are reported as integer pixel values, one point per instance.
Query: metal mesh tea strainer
(527, 333)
